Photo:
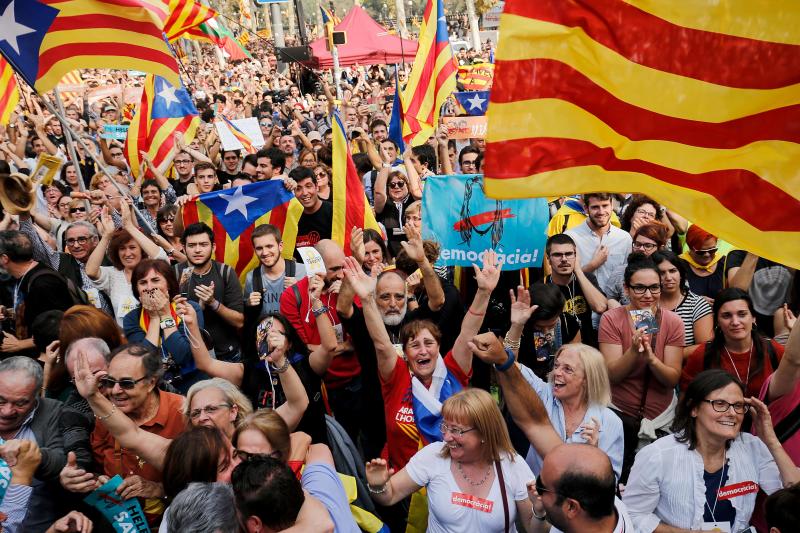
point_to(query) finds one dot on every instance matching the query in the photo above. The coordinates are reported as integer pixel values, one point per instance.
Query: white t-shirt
(452, 511)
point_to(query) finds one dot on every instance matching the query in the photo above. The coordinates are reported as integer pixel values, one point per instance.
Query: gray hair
(91, 344)
(202, 508)
(83, 224)
(27, 365)
(231, 392)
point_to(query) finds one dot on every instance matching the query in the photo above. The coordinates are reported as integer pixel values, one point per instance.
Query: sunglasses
(247, 456)
(708, 251)
(167, 219)
(540, 488)
(77, 210)
(124, 383)
(397, 184)
(265, 124)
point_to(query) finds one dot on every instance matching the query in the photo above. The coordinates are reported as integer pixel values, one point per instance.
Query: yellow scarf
(708, 268)
(144, 318)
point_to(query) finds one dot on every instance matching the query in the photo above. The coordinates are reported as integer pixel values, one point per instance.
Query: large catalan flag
(696, 104)
(164, 110)
(183, 15)
(350, 205)
(45, 39)
(233, 213)
(9, 92)
(432, 79)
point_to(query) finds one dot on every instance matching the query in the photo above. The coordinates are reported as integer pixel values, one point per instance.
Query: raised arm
(233, 372)
(788, 372)
(487, 278)
(379, 189)
(148, 446)
(523, 403)
(742, 277)
(521, 311)
(296, 398)
(364, 286)
(149, 248)
(322, 355)
(762, 420)
(416, 252)
(444, 155)
(594, 297)
(106, 227)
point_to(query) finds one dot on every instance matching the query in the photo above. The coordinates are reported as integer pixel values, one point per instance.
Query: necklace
(733, 364)
(474, 483)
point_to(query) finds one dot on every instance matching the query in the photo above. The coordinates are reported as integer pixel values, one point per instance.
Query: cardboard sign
(312, 260)
(248, 126)
(465, 127)
(126, 516)
(47, 166)
(117, 132)
(5, 476)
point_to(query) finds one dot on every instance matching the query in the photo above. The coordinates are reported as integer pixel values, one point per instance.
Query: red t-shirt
(694, 365)
(344, 367)
(402, 435)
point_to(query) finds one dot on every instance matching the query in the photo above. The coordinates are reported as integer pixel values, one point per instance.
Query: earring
(482, 441)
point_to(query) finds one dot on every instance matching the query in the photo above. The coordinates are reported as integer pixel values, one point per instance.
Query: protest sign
(465, 127)
(5, 476)
(126, 516)
(248, 126)
(47, 166)
(117, 132)
(312, 260)
(457, 215)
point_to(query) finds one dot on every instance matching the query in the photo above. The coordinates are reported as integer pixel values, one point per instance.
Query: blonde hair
(476, 408)
(414, 207)
(597, 390)
(231, 393)
(270, 424)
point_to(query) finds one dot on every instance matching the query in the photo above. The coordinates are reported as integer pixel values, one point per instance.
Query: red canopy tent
(368, 43)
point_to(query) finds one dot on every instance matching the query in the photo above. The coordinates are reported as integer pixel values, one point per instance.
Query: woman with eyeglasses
(648, 238)
(393, 194)
(474, 479)
(706, 275)
(737, 346)
(695, 311)
(307, 158)
(642, 210)
(323, 173)
(707, 474)
(642, 344)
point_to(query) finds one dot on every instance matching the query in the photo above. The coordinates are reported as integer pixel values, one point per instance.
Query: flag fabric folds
(163, 111)
(242, 137)
(214, 32)
(9, 92)
(233, 213)
(694, 107)
(477, 77)
(350, 205)
(183, 15)
(472, 103)
(432, 78)
(45, 39)
(396, 121)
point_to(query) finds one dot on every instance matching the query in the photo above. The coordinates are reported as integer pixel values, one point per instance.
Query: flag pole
(101, 164)
(70, 142)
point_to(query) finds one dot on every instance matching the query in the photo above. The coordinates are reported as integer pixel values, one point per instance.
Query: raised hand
(521, 308)
(315, 285)
(357, 244)
(105, 223)
(362, 284)
(591, 431)
(413, 246)
(488, 276)
(488, 348)
(762, 420)
(86, 381)
(378, 473)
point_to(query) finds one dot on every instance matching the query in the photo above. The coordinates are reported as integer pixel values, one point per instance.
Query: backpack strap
(787, 427)
(773, 357)
(291, 267)
(297, 296)
(258, 283)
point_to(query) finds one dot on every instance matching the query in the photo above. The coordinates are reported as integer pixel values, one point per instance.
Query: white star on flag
(476, 102)
(168, 94)
(237, 202)
(10, 29)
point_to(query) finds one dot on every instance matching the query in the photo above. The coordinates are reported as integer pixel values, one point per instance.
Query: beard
(395, 319)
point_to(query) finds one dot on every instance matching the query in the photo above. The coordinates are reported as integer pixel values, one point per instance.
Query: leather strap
(503, 494)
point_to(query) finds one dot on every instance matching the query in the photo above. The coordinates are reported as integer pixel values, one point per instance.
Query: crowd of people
(645, 378)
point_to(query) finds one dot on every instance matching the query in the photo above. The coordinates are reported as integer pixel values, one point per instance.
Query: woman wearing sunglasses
(706, 476)
(475, 480)
(737, 346)
(393, 194)
(707, 266)
(165, 235)
(643, 348)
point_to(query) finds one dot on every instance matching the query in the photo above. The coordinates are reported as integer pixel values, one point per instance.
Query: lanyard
(716, 494)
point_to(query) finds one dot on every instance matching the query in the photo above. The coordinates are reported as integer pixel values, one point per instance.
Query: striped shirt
(691, 309)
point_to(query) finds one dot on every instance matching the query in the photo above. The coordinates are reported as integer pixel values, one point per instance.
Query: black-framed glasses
(208, 409)
(565, 255)
(456, 432)
(644, 213)
(183, 161)
(639, 290)
(470, 163)
(77, 240)
(707, 251)
(643, 245)
(397, 184)
(722, 406)
(124, 383)
(247, 456)
(73, 210)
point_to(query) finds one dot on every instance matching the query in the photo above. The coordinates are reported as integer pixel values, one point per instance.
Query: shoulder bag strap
(787, 427)
(502, 481)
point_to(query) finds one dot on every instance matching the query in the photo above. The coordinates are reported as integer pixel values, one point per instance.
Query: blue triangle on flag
(237, 209)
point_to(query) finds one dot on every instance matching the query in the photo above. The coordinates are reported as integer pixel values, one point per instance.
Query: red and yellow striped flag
(432, 78)
(241, 136)
(184, 15)
(9, 92)
(695, 104)
(351, 208)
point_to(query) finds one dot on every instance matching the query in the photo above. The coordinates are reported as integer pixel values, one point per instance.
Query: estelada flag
(350, 205)
(695, 104)
(45, 39)
(184, 15)
(233, 213)
(9, 92)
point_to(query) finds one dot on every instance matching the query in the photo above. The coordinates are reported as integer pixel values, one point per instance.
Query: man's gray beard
(395, 320)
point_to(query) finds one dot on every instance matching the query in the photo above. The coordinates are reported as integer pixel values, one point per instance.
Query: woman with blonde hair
(216, 402)
(475, 480)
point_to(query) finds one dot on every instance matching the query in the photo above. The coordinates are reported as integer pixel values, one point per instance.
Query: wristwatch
(167, 323)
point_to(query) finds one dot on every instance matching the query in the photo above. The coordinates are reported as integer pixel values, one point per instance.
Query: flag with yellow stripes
(9, 92)
(691, 103)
